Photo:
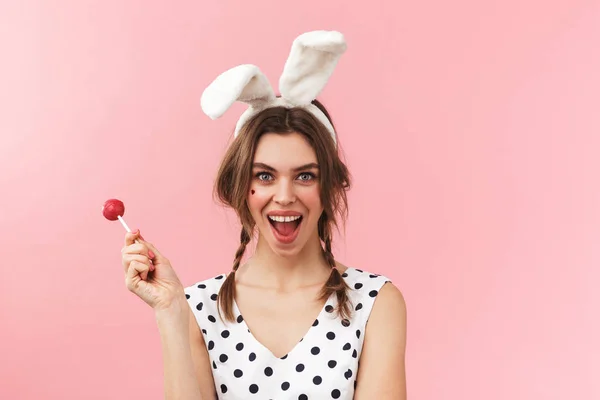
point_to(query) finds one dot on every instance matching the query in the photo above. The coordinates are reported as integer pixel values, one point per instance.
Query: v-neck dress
(323, 365)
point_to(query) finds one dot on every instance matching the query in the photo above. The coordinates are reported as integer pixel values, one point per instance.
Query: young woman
(290, 322)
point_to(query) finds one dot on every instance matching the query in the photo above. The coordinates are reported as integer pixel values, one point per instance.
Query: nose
(284, 192)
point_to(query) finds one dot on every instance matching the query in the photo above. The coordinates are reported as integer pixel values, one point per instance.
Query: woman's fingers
(134, 243)
(136, 269)
(130, 237)
(137, 248)
(134, 248)
(128, 259)
(153, 252)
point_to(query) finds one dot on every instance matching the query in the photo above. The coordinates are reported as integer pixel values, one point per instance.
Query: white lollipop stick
(124, 224)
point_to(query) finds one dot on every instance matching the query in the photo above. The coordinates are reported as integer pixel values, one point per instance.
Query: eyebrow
(300, 168)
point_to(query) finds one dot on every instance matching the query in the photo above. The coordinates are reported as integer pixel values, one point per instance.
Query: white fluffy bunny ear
(311, 62)
(245, 83)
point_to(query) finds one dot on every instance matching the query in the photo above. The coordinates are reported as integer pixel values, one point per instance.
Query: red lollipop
(113, 210)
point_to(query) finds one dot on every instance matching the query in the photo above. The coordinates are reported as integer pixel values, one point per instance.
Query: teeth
(278, 218)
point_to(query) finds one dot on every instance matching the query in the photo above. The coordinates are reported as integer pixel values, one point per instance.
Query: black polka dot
(214, 365)
(329, 308)
(373, 276)
(347, 346)
(225, 334)
(300, 367)
(330, 335)
(316, 322)
(317, 380)
(303, 397)
(345, 322)
(202, 286)
(332, 363)
(373, 293)
(187, 296)
(284, 357)
(240, 319)
(348, 374)
(219, 277)
(358, 285)
(199, 306)
(212, 319)
(335, 394)
(253, 388)
(354, 353)
(223, 358)
(204, 331)
(355, 384)
(285, 386)
(239, 346)
(344, 275)
(214, 297)
(211, 345)
(223, 389)
(268, 371)
(252, 357)
(358, 333)
(359, 270)
(315, 350)
(358, 306)
(238, 373)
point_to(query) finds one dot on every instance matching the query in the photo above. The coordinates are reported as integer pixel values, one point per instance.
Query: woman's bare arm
(201, 360)
(381, 372)
(180, 372)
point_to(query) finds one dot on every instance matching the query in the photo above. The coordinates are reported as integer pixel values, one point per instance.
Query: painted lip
(282, 213)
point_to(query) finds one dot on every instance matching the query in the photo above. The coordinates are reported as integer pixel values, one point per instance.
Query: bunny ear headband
(310, 63)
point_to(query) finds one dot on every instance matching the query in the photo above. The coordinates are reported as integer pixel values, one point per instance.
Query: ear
(245, 83)
(311, 62)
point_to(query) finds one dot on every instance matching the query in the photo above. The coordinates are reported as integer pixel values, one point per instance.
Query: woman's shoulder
(358, 277)
(213, 283)
(202, 297)
(369, 286)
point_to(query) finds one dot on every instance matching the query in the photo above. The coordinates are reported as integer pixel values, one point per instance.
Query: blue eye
(308, 176)
(263, 176)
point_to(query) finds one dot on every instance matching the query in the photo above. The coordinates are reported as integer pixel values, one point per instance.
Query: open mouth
(285, 229)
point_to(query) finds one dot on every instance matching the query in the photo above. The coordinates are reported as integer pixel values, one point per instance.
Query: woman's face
(284, 197)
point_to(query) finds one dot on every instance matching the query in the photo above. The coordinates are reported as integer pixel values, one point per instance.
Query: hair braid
(335, 282)
(227, 291)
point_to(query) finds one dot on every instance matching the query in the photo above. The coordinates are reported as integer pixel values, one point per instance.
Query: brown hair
(234, 178)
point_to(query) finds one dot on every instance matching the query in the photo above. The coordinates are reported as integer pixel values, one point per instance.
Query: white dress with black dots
(323, 365)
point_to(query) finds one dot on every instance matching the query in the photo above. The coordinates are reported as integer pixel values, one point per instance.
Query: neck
(267, 268)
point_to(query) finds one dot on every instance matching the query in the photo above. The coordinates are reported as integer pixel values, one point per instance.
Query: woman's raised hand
(154, 282)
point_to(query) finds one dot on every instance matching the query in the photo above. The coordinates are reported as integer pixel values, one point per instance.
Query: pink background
(471, 129)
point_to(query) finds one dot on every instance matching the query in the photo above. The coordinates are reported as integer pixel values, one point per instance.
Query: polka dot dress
(323, 365)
